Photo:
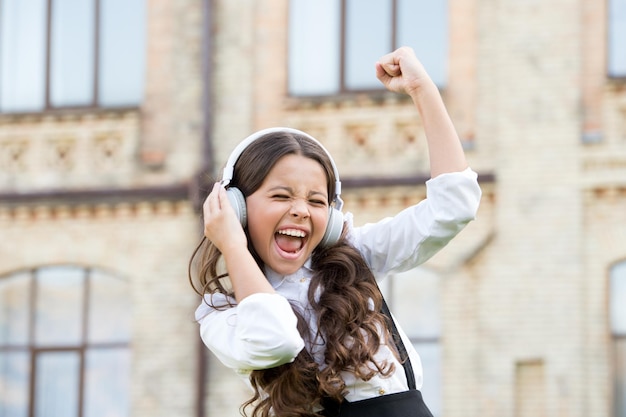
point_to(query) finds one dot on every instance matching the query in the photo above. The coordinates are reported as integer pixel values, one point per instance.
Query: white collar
(276, 279)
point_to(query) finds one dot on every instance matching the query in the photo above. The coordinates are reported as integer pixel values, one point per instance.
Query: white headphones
(238, 201)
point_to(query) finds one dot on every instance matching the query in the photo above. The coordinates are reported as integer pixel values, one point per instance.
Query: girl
(290, 300)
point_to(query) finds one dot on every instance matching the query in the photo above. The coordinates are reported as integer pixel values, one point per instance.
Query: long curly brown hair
(342, 293)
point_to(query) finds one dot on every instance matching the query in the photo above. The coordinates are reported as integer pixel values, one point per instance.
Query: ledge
(365, 182)
(172, 192)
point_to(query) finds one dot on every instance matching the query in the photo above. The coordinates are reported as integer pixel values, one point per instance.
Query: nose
(299, 208)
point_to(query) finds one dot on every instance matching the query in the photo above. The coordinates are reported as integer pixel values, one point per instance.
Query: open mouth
(290, 240)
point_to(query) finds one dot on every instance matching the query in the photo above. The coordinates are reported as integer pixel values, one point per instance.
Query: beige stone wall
(146, 237)
(528, 281)
(149, 245)
(172, 114)
(605, 240)
(524, 287)
(82, 150)
(516, 281)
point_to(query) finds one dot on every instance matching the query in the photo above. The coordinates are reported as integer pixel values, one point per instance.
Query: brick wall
(524, 287)
(517, 281)
(147, 244)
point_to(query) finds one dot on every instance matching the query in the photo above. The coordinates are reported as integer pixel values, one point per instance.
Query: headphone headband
(236, 153)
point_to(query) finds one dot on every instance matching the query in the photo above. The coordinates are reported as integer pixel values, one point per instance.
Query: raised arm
(401, 72)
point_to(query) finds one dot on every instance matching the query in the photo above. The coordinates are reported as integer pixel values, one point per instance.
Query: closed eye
(318, 202)
(280, 196)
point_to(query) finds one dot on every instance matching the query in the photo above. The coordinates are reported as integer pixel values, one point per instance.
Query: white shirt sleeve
(258, 333)
(415, 234)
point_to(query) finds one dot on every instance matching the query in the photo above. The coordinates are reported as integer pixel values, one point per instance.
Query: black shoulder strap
(404, 355)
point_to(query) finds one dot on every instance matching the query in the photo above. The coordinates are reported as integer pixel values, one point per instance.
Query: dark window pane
(414, 299)
(617, 38)
(59, 308)
(22, 55)
(620, 378)
(59, 305)
(107, 389)
(72, 53)
(15, 309)
(122, 46)
(109, 309)
(368, 37)
(617, 294)
(617, 297)
(314, 47)
(423, 25)
(14, 374)
(416, 303)
(57, 384)
(430, 355)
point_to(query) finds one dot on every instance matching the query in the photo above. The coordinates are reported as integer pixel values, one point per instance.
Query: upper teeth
(292, 232)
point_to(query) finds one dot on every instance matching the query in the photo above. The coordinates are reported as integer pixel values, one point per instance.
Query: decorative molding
(173, 192)
(48, 212)
(605, 193)
(75, 150)
(604, 163)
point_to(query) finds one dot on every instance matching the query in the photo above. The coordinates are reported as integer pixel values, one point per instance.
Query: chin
(286, 269)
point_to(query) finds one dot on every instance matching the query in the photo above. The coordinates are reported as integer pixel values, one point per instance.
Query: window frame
(342, 88)
(94, 103)
(36, 350)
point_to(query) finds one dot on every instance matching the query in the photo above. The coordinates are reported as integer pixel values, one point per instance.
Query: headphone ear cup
(334, 228)
(238, 201)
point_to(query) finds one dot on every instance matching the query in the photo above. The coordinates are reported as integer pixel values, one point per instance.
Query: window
(64, 343)
(413, 298)
(617, 38)
(71, 53)
(333, 44)
(618, 330)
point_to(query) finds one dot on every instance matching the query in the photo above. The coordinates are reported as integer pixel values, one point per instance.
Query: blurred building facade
(115, 116)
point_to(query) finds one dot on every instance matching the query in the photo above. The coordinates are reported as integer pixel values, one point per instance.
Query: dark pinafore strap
(404, 355)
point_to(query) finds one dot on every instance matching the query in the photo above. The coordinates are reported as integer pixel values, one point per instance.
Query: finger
(387, 58)
(381, 74)
(392, 69)
(390, 63)
(223, 197)
(211, 204)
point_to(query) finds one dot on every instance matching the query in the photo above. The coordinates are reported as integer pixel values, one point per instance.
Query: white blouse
(260, 332)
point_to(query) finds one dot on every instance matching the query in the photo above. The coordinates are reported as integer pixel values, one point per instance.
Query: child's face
(287, 215)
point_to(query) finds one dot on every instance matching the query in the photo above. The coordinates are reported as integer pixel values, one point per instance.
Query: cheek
(257, 230)
(258, 240)
(320, 221)
(261, 224)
